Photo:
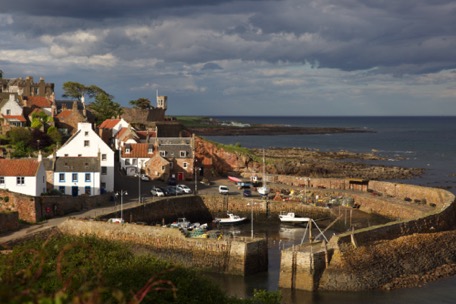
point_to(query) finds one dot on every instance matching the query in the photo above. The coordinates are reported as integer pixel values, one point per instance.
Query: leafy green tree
(54, 135)
(21, 149)
(19, 134)
(74, 90)
(104, 107)
(141, 103)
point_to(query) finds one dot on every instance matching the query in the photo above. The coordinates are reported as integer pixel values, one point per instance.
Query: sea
(427, 142)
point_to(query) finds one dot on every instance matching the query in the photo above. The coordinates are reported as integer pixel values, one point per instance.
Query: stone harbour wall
(351, 261)
(237, 257)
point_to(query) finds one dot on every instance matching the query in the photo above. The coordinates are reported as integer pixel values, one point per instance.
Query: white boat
(181, 223)
(291, 217)
(231, 219)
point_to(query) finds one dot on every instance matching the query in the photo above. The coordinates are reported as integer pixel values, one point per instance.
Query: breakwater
(376, 256)
(240, 256)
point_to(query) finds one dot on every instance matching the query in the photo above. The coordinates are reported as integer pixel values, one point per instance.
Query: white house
(26, 176)
(86, 143)
(134, 156)
(12, 112)
(77, 175)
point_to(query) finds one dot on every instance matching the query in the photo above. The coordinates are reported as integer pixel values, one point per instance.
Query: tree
(74, 90)
(54, 135)
(78, 90)
(20, 135)
(141, 103)
(104, 107)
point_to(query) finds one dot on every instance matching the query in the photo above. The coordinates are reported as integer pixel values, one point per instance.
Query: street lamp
(197, 169)
(121, 193)
(139, 184)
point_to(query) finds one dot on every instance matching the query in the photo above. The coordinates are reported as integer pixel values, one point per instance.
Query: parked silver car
(184, 188)
(156, 191)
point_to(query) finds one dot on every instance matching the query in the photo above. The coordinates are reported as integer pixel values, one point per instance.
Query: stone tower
(162, 102)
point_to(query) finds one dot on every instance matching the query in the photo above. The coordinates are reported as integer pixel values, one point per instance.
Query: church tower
(162, 102)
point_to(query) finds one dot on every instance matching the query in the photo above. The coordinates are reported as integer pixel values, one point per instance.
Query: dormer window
(127, 149)
(183, 153)
(162, 153)
(150, 149)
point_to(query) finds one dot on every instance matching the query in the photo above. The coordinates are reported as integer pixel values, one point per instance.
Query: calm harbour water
(421, 142)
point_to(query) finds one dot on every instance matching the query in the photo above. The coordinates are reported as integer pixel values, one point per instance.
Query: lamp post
(139, 184)
(121, 193)
(251, 218)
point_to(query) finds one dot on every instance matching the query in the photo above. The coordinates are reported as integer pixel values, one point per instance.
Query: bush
(66, 269)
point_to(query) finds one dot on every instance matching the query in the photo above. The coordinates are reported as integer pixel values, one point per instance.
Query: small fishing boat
(291, 217)
(231, 219)
(181, 223)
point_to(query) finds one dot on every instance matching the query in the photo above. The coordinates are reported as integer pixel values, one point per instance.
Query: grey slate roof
(77, 164)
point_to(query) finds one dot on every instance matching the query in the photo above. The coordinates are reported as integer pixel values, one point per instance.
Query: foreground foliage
(67, 269)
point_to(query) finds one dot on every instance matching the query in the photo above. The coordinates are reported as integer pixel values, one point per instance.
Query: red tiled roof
(14, 117)
(121, 132)
(109, 123)
(19, 167)
(64, 114)
(39, 101)
(137, 151)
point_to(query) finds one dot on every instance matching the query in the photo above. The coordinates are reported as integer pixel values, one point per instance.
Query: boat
(291, 217)
(231, 219)
(234, 179)
(181, 223)
(264, 189)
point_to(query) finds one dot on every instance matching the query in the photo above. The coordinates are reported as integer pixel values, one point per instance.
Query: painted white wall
(87, 143)
(33, 185)
(81, 183)
(12, 105)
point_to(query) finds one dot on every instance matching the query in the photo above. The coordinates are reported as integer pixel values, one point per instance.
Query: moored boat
(231, 219)
(291, 217)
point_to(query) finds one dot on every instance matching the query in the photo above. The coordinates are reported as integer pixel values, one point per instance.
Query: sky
(236, 57)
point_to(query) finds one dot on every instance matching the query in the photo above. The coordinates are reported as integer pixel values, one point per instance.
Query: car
(172, 181)
(173, 190)
(156, 191)
(143, 177)
(116, 220)
(184, 188)
(223, 189)
(247, 193)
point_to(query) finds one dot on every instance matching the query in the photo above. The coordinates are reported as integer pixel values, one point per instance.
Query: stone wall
(34, 209)
(9, 221)
(238, 257)
(335, 274)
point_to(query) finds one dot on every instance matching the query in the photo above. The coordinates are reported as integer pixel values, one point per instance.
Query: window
(2, 179)
(87, 177)
(86, 143)
(20, 180)
(183, 153)
(104, 170)
(127, 162)
(104, 157)
(150, 150)
(162, 153)
(8, 112)
(61, 177)
(103, 186)
(86, 133)
(127, 150)
(74, 177)
(62, 189)
(185, 165)
(87, 190)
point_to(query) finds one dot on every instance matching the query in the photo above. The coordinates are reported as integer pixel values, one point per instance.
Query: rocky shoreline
(269, 129)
